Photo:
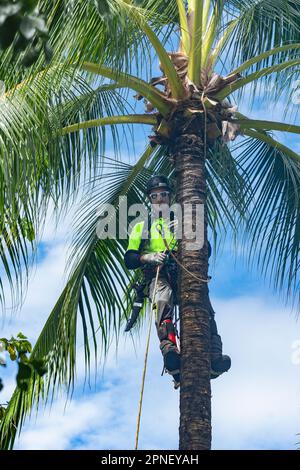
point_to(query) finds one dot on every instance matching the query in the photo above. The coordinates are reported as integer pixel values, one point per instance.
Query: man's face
(160, 201)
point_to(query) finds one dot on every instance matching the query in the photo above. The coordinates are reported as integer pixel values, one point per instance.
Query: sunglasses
(153, 196)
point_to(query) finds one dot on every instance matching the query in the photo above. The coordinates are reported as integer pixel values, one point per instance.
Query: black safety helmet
(158, 181)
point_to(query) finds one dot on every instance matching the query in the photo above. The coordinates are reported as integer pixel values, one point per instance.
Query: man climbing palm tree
(153, 245)
(251, 189)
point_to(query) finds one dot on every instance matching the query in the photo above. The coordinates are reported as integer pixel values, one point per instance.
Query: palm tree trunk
(195, 394)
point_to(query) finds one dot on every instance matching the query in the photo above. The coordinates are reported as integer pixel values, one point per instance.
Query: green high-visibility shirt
(156, 242)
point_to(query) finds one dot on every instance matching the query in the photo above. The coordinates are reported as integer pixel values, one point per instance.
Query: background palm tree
(101, 51)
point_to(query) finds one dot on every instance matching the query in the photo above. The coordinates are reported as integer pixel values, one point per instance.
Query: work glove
(154, 258)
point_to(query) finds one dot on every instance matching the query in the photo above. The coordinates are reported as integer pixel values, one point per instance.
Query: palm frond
(156, 97)
(112, 120)
(261, 125)
(229, 191)
(112, 37)
(221, 44)
(184, 29)
(273, 226)
(265, 58)
(264, 72)
(43, 108)
(38, 164)
(214, 26)
(17, 244)
(196, 17)
(266, 137)
(263, 25)
(93, 291)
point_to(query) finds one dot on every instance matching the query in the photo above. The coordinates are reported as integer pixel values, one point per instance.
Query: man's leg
(165, 327)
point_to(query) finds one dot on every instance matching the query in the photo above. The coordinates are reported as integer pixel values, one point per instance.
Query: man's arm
(132, 259)
(132, 255)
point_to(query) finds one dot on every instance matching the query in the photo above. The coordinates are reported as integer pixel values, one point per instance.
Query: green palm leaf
(57, 142)
(112, 38)
(271, 23)
(38, 164)
(228, 191)
(94, 291)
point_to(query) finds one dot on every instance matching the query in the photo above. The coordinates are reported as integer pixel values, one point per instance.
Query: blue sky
(255, 406)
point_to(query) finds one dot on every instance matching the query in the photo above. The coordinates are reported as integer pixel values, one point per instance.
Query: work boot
(219, 363)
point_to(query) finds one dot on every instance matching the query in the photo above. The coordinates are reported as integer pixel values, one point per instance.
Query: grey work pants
(163, 303)
(164, 310)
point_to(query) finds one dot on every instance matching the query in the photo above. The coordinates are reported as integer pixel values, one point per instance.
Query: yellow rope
(185, 269)
(145, 363)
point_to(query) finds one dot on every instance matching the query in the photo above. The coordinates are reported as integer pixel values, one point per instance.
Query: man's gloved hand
(153, 258)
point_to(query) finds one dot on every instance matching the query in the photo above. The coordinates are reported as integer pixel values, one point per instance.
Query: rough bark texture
(195, 392)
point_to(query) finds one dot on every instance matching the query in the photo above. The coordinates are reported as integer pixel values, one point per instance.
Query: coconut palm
(102, 51)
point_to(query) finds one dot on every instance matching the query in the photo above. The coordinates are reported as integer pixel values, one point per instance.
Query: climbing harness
(160, 230)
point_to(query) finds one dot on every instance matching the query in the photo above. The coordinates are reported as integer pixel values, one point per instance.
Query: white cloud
(106, 418)
(56, 428)
(46, 283)
(255, 406)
